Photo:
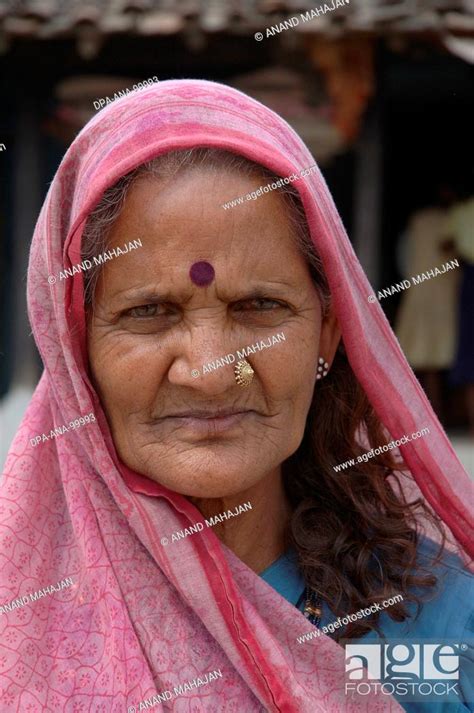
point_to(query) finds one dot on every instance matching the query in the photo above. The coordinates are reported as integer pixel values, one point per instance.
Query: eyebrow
(263, 291)
(181, 296)
(145, 295)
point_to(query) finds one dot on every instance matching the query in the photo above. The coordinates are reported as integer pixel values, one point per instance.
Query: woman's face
(151, 326)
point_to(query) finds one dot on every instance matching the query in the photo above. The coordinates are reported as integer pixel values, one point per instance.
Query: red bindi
(202, 273)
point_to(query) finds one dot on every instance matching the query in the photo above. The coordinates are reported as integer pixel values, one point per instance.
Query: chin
(204, 470)
(196, 480)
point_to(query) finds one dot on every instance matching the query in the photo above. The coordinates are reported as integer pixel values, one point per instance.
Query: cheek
(288, 370)
(126, 374)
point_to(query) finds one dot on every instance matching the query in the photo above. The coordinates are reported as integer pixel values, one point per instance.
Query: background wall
(379, 90)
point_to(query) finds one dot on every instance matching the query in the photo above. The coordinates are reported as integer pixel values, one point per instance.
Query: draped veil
(141, 618)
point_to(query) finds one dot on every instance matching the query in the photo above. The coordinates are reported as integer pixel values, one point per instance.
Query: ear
(330, 336)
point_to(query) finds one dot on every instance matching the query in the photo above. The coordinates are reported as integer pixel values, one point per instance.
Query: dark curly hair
(355, 532)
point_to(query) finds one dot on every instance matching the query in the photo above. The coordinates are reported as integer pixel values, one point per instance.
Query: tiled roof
(44, 19)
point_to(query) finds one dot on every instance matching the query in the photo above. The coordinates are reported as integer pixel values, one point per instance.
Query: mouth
(212, 414)
(210, 422)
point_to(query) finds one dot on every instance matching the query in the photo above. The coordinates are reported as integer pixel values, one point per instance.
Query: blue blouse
(448, 616)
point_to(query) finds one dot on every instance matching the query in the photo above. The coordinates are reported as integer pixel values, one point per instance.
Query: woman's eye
(258, 304)
(151, 317)
(151, 310)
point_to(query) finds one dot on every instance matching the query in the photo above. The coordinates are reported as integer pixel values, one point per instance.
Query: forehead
(182, 220)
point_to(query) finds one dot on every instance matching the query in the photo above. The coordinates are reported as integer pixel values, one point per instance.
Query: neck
(257, 536)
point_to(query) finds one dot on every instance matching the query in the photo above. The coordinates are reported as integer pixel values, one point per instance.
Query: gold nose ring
(243, 373)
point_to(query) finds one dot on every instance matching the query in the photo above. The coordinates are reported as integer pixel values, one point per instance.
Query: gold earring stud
(243, 373)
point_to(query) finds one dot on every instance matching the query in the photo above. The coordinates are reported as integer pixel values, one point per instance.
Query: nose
(205, 360)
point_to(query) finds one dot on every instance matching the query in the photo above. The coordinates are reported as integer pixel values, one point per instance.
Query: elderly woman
(202, 492)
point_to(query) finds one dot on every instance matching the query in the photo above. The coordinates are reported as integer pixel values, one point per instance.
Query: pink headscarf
(140, 618)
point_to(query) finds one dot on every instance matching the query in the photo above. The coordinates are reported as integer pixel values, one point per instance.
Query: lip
(210, 423)
(201, 413)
